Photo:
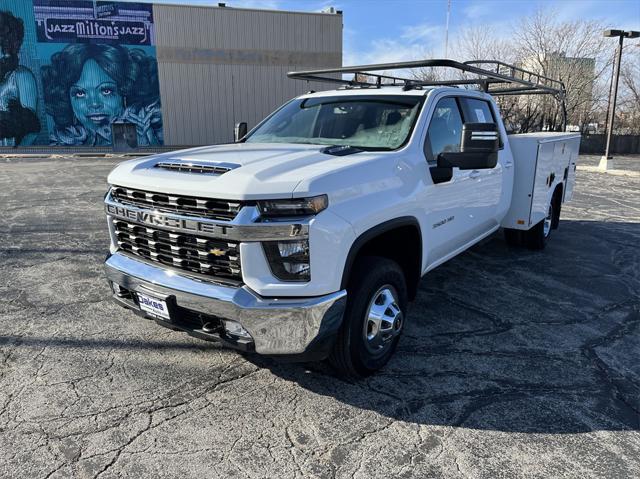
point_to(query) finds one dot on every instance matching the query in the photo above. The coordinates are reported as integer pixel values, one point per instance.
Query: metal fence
(620, 144)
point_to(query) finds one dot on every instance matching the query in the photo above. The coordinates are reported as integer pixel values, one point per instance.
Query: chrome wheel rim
(547, 222)
(383, 321)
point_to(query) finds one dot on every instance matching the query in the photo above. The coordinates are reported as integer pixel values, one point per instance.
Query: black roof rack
(492, 76)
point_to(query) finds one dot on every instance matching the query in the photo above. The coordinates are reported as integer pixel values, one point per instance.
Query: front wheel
(374, 317)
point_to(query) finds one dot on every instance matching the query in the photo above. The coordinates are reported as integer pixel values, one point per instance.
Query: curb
(615, 172)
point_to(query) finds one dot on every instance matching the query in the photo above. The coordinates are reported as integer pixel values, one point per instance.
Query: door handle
(474, 174)
(508, 164)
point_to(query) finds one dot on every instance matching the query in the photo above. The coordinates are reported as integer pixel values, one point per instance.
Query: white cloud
(422, 32)
(415, 42)
(325, 4)
(385, 50)
(257, 4)
(475, 10)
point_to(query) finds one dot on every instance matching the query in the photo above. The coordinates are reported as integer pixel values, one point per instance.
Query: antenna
(446, 32)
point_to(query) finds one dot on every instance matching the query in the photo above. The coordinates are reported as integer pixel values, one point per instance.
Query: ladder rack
(492, 76)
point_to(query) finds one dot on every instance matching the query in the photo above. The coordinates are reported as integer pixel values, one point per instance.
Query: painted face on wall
(8, 62)
(95, 99)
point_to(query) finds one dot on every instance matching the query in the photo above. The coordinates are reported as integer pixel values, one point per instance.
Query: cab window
(445, 129)
(477, 111)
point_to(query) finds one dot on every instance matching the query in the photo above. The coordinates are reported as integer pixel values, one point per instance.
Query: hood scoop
(340, 150)
(196, 167)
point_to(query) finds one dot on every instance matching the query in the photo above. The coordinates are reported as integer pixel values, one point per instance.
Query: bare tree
(573, 52)
(628, 117)
(480, 43)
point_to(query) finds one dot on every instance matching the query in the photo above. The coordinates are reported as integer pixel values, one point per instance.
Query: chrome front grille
(178, 204)
(211, 257)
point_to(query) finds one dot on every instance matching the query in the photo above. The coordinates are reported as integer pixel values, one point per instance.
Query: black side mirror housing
(478, 150)
(480, 137)
(239, 131)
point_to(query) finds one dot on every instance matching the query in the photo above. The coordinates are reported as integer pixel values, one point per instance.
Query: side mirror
(478, 149)
(239, 131)
(480, 137)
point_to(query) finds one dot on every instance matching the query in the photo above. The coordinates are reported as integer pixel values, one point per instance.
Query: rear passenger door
(488, 183)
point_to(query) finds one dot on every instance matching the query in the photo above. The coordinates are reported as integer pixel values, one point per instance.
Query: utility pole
(446, 32)
(606, 161)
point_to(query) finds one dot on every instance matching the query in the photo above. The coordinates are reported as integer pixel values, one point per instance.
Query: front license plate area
(154, 306)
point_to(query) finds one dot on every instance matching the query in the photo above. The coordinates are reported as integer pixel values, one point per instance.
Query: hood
(257, 170)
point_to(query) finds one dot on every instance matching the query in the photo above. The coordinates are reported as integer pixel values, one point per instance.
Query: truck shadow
(512, 340)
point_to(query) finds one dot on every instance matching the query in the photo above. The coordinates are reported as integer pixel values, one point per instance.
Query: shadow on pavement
(512, 340)
(499, 338)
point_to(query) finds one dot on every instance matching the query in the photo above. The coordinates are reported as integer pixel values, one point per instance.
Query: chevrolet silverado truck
(307, 237)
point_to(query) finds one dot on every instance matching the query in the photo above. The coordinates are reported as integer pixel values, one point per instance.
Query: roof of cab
(386, 90)
(393, 90)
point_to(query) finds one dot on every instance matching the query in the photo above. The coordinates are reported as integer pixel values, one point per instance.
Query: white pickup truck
(307, 238)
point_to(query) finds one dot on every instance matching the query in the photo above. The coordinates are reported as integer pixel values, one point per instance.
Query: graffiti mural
(89, 86)
(90, 63)
(18, 91)
(102, 69)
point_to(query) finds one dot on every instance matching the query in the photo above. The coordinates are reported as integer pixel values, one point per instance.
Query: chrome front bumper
(278, 326)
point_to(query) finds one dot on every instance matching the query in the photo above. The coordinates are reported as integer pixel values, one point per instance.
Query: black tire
(352, 354)
(536, 238)
(557, 207)
(513, 237)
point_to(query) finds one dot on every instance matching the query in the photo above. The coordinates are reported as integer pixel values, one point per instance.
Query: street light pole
(606, 162)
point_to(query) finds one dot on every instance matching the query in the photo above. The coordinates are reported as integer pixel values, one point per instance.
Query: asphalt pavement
(514, 363)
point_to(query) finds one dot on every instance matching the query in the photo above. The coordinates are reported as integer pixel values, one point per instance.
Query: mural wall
(71, 68)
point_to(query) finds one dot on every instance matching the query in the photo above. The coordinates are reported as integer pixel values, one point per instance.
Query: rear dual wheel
(536, 238)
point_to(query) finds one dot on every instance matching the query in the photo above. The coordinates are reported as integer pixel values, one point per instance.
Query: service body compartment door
(544, 178)
(541, 162)
(574, 150)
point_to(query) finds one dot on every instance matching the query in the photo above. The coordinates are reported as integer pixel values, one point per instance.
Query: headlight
(293, 207)
(289, 260)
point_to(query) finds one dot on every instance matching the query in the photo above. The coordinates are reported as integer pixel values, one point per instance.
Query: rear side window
(477, 111)
(445, 129)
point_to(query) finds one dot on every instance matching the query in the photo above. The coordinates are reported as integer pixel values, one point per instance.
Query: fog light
(118, 290)
(235, 329)
(289, 260)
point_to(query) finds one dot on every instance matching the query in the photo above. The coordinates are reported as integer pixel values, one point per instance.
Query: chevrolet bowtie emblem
(216, 252)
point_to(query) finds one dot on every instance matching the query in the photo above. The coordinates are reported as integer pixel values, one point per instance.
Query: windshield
(366, 122)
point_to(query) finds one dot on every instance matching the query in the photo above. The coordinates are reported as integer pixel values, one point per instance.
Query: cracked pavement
(514, 363)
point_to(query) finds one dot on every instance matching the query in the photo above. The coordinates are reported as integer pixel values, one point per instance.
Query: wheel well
(399, 240)
(557, 199)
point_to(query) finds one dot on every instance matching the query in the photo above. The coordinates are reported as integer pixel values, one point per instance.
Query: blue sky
(388, 30)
